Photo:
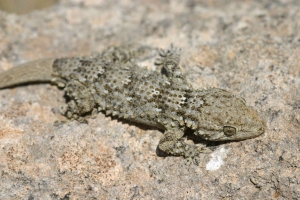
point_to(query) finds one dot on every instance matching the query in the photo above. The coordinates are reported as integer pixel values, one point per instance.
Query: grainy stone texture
(251, 48)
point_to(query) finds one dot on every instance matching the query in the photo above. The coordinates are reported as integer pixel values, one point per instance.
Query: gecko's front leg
(173, 144)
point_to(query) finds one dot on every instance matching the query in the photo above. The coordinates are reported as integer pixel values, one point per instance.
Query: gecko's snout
(250, 125)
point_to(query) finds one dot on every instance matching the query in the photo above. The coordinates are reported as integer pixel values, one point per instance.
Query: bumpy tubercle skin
(112, 82)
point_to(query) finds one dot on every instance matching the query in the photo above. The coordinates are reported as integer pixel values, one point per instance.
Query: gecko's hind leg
(172, 144)
(81, 101)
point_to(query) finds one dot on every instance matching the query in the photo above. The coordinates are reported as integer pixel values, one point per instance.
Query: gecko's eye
(229, 130)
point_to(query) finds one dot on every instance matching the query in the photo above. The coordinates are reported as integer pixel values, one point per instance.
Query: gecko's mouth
(260, 129)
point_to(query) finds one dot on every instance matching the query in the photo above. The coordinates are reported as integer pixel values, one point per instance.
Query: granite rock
(251, 48)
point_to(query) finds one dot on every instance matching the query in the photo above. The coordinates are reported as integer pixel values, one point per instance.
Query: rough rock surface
(251, 48)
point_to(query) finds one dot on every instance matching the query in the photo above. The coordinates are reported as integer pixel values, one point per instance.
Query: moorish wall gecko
(113, 82)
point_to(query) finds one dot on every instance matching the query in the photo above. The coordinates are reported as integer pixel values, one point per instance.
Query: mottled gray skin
(113, 83)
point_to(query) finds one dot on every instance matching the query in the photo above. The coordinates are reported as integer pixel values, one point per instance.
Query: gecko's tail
(35, 71)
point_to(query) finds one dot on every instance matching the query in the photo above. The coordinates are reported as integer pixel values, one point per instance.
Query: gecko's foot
(169, 56)
(192, 152)
(173, 144)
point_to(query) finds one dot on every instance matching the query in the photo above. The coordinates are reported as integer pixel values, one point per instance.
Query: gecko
(112, 82)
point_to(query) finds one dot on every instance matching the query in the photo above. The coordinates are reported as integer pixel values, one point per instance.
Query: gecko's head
(225, 116)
